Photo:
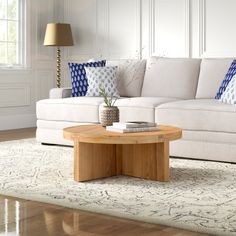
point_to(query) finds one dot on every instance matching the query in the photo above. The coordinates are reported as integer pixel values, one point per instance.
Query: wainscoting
(140, 28)
(20, 89)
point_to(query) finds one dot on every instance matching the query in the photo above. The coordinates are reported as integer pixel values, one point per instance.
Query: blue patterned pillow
(231, 72)
(229, 95)
(78, 76)
(104, 77)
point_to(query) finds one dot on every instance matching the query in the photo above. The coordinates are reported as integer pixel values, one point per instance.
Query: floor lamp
(58, 35)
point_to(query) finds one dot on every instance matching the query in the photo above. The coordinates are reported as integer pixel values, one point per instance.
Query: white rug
(201, 196)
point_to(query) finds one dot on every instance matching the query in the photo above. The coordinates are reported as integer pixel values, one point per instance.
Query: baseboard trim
(17, 121)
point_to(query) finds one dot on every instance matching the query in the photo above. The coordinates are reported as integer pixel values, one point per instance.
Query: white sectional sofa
(178, 92)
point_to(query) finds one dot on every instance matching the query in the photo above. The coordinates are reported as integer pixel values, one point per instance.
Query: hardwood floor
(28, 218)
(8, 135)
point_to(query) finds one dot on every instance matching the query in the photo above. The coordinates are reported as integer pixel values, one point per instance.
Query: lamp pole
(58, 67)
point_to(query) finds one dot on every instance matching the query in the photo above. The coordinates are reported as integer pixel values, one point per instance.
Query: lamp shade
(58, 34)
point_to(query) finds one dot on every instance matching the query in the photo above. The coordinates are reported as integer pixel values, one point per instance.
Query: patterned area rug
(201, 196)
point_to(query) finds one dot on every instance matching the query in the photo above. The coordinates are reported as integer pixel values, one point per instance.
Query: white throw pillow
(104, 77)
(229, 95)
(171, 77)
(130, 76)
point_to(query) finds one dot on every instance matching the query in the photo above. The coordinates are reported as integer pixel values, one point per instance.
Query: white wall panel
(45, 81)
(44, 13)
(17, 121)
(103, 29)
(13, 95)
(218, 28)
(123, 29)
(171, 28)
(194, 23)
(146, 28)
(20, 89)
(82, 15)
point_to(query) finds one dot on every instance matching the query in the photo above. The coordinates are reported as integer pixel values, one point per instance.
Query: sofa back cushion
(171, 77)
(212, 73)
(130, 74)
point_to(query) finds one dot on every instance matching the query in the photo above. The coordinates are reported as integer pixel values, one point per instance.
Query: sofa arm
(57, 93)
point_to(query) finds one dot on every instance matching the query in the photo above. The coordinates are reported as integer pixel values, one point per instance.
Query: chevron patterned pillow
(231, 72)
(229, 95)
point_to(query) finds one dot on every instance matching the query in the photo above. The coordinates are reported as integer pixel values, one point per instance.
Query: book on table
(132, 127)
(133, 124)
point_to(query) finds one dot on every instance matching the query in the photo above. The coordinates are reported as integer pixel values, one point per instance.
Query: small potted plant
(109, 113)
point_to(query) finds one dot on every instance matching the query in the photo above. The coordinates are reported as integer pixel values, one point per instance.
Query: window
(12, 33)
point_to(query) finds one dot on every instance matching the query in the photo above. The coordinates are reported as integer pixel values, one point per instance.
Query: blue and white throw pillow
(229, 95)
(231, 72)
(78, 76)
(104, 77)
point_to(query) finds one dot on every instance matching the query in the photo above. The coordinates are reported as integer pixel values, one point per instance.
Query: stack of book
(132, 126)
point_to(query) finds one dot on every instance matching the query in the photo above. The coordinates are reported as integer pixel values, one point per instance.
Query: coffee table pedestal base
(148, 161)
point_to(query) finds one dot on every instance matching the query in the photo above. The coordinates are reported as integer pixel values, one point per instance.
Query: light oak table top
(98, 134)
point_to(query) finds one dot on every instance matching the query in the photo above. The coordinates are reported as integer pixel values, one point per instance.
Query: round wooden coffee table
(99, 153)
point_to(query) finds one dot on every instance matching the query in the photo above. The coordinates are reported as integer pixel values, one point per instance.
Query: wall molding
(108, 26)
(193, 36)
(204, 33)
(10, 98)
(102, 50)
(17, 121)
(152, 33)
(187, 29)
(151, 27)
(137, 54)
(19, 87)
(139, 29)
(202, 27)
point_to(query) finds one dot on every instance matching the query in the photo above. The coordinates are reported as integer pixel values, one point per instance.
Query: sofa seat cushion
(76, 109)
(139, 108)
(199, 115)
